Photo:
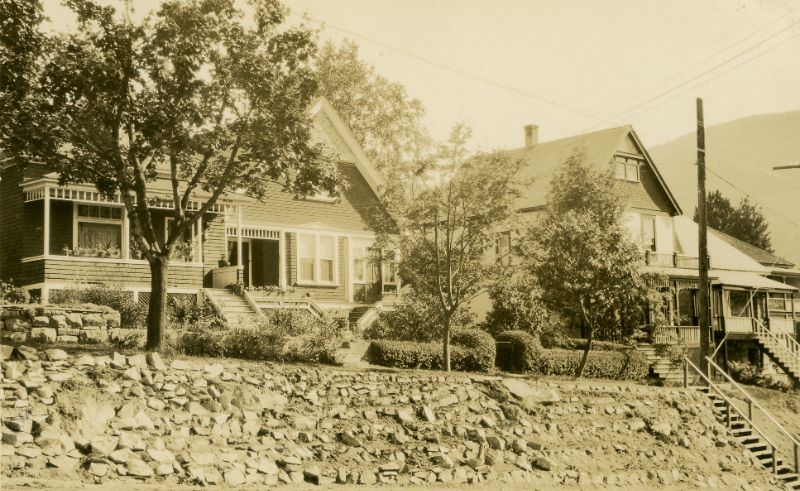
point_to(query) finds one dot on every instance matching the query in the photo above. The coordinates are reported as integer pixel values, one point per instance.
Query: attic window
(626, 168)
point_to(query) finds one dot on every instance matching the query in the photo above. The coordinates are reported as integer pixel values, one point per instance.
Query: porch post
(200, 238)
(349, 269)
(239, 236)
(282, 258)
(126, 235)
(46, 225)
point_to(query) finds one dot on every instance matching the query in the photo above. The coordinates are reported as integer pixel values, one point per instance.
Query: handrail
(750, 402)
(724, 338)
(760, 327)
(246, 296)
(729, 402)
(753, 401)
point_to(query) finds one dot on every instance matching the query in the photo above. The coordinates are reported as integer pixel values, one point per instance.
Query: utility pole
(705, 331)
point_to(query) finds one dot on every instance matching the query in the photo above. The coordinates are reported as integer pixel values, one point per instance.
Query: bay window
(316, 258)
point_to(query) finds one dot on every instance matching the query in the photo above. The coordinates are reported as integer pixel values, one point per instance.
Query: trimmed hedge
(518, 351)
(471, 350)
(580, 344)
(480, 348)
(630, 365)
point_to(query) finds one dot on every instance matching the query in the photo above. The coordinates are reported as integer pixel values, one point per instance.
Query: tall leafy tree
(745, 222)
(452, 224)
(582, 256)
(385, 120)
(201, 93)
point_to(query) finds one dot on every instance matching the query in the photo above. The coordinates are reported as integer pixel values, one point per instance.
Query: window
(316, 258)
(739, 302)
(183, 250)
(389, 269)
(327, 258)
(98, 231)
(626, 168)
(503, 246)
(648, 232)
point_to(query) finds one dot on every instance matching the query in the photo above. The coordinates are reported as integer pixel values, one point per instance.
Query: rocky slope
(109, 419)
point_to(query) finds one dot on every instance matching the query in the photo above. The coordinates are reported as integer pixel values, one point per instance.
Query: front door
(265, 262)
(373, 279)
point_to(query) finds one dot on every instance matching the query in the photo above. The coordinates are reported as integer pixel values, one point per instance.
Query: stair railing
(251, 303)
(752, 402)
(730, 406)
(787, 341)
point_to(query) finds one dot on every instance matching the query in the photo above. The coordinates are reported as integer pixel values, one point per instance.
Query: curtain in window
(306, 249)
(100, 236)
(327, 253)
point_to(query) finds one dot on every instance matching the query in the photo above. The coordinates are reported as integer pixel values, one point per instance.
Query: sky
(568, 66)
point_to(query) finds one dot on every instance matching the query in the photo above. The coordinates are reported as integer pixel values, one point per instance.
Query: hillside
(71, 421)
(743, 152)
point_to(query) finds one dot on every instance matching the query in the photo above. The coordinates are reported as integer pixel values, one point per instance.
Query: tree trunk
(157, 308)
(446, 345)
(585, 356)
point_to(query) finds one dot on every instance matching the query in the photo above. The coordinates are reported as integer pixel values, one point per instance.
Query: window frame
(623, 165)
(316, 269)
(77, 219)
(364, 258)
(194, 241)
(499, 239)
(648, 247)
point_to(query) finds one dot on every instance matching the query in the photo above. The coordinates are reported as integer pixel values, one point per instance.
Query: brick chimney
(531, 135)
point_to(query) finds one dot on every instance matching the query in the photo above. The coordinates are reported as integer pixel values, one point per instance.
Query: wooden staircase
(663, 369)
(739, 423)
(233, 308)
(782, 348)
(357, 313)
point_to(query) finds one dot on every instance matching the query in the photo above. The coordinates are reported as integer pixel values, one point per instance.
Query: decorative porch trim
(253, 232)
(41, 190)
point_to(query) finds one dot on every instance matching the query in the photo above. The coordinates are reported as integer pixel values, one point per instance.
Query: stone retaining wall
(81, 324)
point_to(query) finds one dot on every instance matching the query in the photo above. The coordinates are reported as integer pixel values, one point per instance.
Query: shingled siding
(117, 273)
(648, 193)
(323, 294)
(214, 247)
(356, 211)
(11, 220)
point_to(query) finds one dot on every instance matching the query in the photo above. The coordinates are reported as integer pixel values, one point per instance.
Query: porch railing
(687, 335)
(742, 325)
(673, 260)
(226, 275)
(781, 325)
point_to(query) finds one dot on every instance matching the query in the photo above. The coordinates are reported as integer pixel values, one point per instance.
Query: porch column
(46, 226)
(282, 259)
(200, 238)
(239, 236)
(126, 235)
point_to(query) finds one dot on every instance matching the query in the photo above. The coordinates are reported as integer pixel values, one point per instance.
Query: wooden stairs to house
(782, 348)
(234, 308)
(357, 313)
(666, 371)
(740, 425)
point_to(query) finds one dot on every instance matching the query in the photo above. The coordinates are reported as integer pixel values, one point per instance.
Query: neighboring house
(55, 236)
(745, 293)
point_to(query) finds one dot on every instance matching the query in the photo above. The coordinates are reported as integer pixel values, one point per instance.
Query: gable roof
(365, 166)
(543, 161)
(766, 258)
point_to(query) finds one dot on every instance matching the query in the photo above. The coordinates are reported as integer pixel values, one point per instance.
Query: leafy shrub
(132, 314)
(12, 294)
(629, 365)
(413, 320)
(745, 373)
(518, 351)
(480, 349)
(470, 350)
(517, 306)
(279, 336)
